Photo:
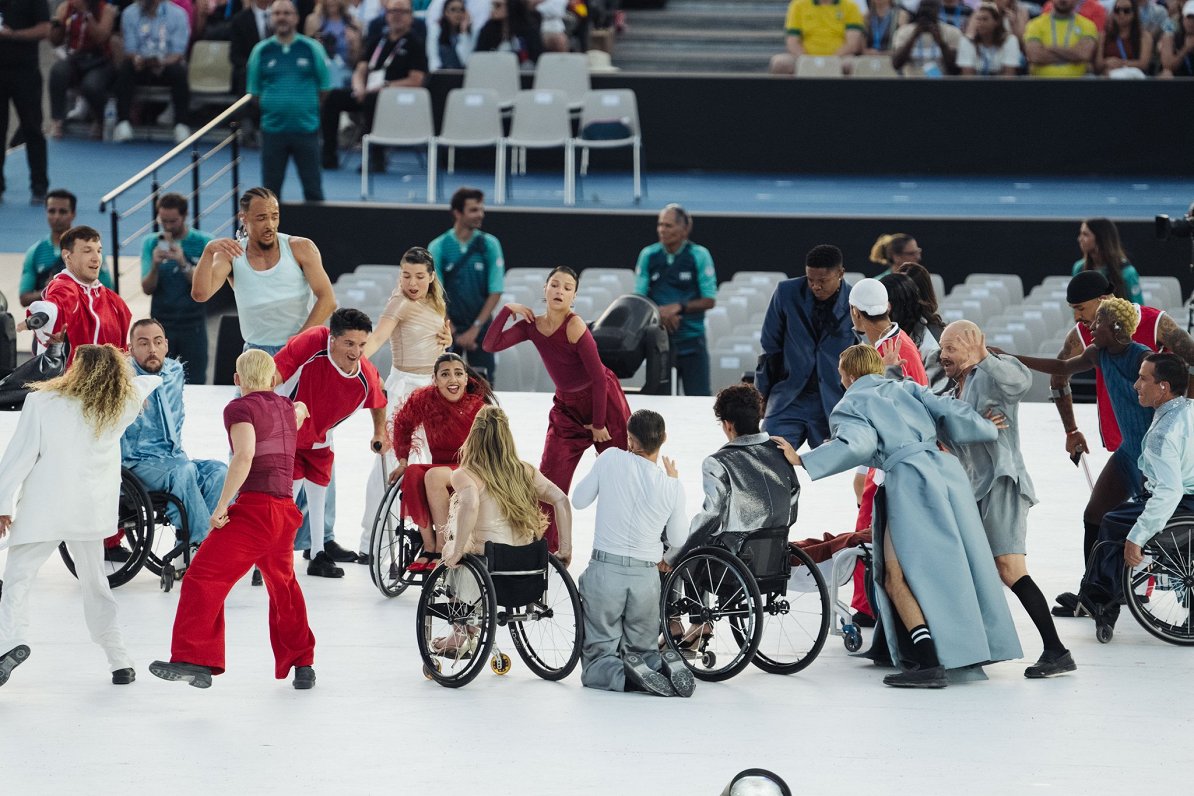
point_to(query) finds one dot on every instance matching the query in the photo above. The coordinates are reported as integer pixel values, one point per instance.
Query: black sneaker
(338, 553)
(1051, 664)
(11, 660)
(644, 678)
(189, 673)
(123, 676)
(304, 677)
(862, 620)
(117, 554)
(1067, 605)
(918, 678)
(365, 558)
(322, 566)
(683, 683)
(257, 579)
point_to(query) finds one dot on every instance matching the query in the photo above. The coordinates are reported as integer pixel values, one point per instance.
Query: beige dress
(477, 519)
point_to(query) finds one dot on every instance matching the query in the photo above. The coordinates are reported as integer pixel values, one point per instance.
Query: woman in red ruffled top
(445, 410)
(589, 407)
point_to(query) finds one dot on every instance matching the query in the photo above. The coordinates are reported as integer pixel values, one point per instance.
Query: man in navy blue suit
(805, 331)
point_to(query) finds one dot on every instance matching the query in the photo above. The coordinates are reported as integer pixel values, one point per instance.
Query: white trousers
(399, 386)
(99, 606)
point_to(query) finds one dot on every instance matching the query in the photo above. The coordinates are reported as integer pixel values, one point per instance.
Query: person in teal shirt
(44, 258)
(288, 75)
(168, 259)
(679, 276)
(1101, 251)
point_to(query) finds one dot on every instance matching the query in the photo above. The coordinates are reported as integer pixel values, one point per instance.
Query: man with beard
(994, 384)
(152, 446)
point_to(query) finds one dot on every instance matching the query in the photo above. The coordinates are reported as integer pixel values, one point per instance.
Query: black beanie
(1086, 286)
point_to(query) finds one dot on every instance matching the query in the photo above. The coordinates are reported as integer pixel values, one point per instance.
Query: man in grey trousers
(995, 382)
(620, 587)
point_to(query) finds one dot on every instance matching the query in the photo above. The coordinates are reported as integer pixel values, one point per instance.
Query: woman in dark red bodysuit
(589, 407)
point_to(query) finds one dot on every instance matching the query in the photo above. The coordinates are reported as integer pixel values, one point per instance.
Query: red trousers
(568, 439)
(260, 531)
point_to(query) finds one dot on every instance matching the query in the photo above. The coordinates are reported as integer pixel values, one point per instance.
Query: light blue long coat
(935, 527)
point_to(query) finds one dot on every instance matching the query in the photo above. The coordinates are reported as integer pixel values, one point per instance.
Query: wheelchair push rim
(456, 602)
(392, 546)
(135, 523)
(718, 591)
(550, 637)
(1159, 593)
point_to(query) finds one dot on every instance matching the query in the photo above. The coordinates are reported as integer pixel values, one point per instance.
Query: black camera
(1165, 227)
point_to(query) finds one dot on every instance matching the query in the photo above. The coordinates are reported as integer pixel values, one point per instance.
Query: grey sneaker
(918, 678)
(124, 676)
(642, 676)
(683, 683)
(304, 677)
(1051, 664)
(189, 673)
(11, 660)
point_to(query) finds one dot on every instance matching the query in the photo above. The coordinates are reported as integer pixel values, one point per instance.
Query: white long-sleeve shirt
(639, 503)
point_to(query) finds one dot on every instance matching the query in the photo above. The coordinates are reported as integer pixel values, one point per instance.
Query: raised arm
(854, 442)
(381, 333)
(498, 338)
(1089, 358)
(214, 268)
(306, 254)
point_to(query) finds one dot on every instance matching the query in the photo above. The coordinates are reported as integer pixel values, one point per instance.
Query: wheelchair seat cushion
(518, 572)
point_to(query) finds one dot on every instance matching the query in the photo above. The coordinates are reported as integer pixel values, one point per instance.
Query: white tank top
(272, 304)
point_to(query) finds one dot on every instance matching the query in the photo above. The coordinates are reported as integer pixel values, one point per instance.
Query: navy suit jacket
(790, 352)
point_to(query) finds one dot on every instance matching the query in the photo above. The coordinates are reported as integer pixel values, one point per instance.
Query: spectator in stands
(890, 250)
(926, 45)
(1155, 19)
(152, 446)
(990, 50)
(679, 276)
(168, 260)
(331, 22)
(249, 27)
(805, 330)
(470, 265)
(213, 19)
(1060, 43)
(26, 22)
(1177, 49)
(396, 58)
(955, 12)
(1098, 239)
(84, 28)
(155, 35)
(819, 27)
(1015, 19)
(1124, 45)
(453, 44)
(476, 14)
(44, 258)
(512, 27)
(288, 76)
(882, 21)
(551, 26)
(1091, 9)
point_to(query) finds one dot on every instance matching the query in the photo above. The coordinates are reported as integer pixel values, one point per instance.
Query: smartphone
(164, 245)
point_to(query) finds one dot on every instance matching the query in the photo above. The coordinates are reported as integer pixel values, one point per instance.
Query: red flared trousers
(568, 439)
(260, 531)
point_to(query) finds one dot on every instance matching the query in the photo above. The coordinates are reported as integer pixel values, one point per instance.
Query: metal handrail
(108, 201)
(173, 153)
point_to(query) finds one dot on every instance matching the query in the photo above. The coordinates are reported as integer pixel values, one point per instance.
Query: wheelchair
(394, 544)
(1159, 592)
(140, 514)
(762, 601)
(524, 588)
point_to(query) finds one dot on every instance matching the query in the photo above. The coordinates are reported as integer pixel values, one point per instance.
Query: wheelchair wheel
(166, 535)
(1159, 591)
(455, 622)
(795, 621)
(549, 639)
(713, 588)
(393, 545)
(135, 520)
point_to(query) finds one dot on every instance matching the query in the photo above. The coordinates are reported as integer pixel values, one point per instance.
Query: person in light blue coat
(939, 596)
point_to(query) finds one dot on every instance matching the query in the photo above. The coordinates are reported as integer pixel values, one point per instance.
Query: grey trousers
(621, 617)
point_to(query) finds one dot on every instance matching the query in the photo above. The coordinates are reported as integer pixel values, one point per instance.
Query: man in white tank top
(281, 289)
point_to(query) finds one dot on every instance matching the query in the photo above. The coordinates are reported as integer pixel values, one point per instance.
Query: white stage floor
(374, 724)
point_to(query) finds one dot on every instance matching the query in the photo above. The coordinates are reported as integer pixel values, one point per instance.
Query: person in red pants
(258, 529)
(589, 407)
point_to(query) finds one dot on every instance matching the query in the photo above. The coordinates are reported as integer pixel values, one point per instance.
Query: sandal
(695, 639)
(420, 564)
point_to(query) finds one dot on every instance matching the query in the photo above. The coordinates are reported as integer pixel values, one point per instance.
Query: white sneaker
(181, 133)
(122, 132)
(80, 111)
(166, 117)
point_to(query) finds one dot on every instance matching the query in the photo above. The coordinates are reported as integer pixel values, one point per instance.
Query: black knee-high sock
(1038, 610)
(923, 647)
(1088, 540)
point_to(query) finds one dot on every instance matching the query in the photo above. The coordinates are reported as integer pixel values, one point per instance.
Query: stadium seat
(619, 280)
(819, 66)
(874, 66)
(1013, 284)
(541, 121)
(567, 72)
(472, 119)
(611, 105)
(497, 72)
(1163, 291)
(403, 118)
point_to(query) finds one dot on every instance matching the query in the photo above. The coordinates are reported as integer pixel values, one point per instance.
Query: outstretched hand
(669, 467)
(522, 312)
(789, 452)
(891, 358)
(229, 247)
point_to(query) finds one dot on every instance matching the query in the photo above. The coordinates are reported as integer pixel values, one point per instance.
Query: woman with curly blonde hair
(64, 458)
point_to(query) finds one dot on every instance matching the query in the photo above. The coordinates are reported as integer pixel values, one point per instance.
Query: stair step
(699, 38)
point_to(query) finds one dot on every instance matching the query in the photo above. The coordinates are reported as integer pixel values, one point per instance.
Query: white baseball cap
(870, 296)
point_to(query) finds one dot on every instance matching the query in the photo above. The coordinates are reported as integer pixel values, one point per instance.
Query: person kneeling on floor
(620, 587)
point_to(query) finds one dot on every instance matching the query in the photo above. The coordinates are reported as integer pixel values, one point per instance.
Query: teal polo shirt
(43, 261)
(469, 273)
(677, 278)
(172, 300)
(287, 79)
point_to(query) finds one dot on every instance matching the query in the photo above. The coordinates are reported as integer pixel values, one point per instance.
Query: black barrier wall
(351, 234)
(905, 126)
